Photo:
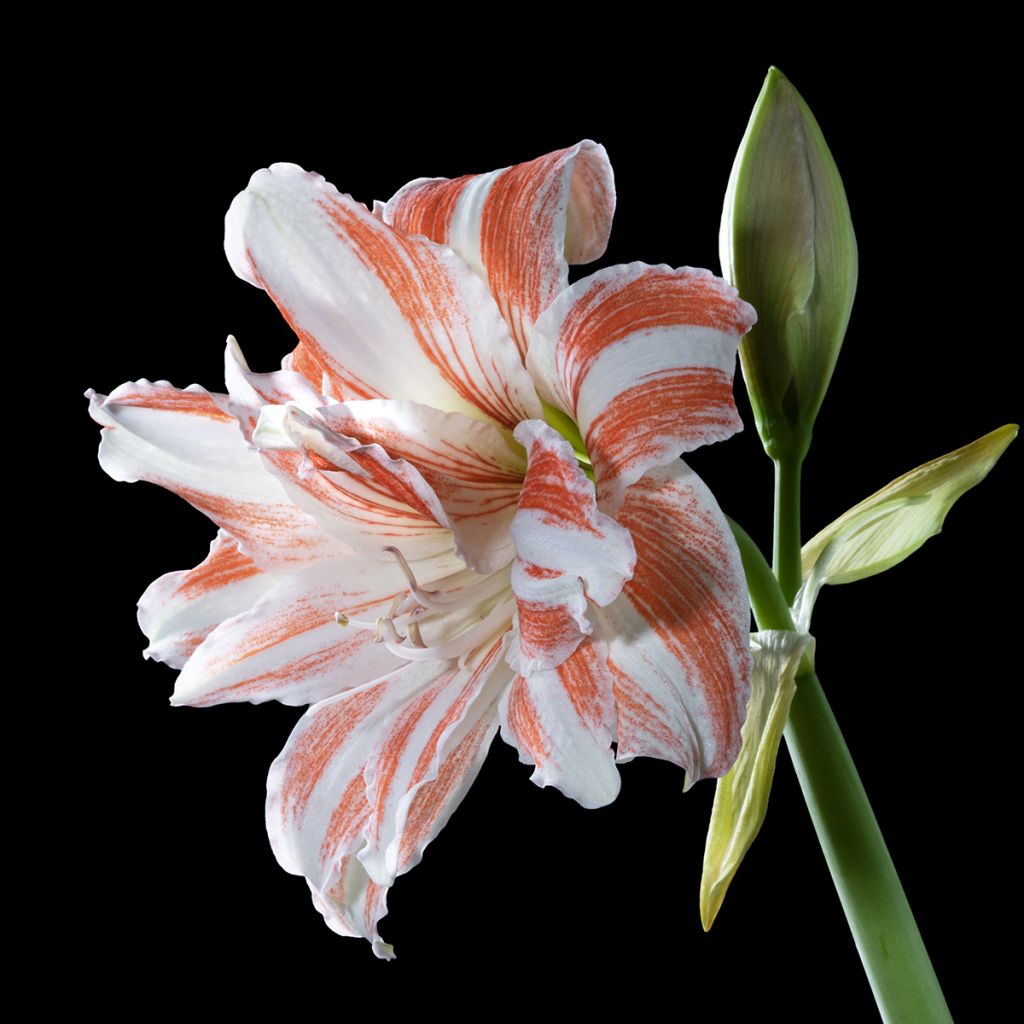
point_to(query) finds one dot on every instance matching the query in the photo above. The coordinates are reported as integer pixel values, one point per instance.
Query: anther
(414, 634)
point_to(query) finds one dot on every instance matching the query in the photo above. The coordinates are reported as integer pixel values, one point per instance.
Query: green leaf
(787, 244)
(894, 522)
(741, 797)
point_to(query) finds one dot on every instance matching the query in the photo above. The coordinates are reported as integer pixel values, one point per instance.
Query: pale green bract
(895, 521)
(741, 796)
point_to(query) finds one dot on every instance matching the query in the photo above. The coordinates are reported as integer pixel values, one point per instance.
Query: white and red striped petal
(566, 552)
(563, 722)
(678, 635)
(180, 609)
(289, 647)
(381, 314)
(642, 358)
(187, 442)
(358, 493)
(518, 227)
(426, 758)
(470, 467)
(369, 777)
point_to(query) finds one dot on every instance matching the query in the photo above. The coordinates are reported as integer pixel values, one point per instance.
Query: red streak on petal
(612, 311)
(396, 744)
(687, 405)
(539, 572)
(304, 361)
(546, 629)
(551, 486)
(455, 712)
(525, 722)
(639, 713)
(427, 208)
(676, 588)
(394, 481)
(288, 674)
(281, 527)
(327, 732)
(582, 675)
(373, 905)
(347, 819)
(224, 566)
(157, 396)
(518, 241)
(431, 800)
(427, 296)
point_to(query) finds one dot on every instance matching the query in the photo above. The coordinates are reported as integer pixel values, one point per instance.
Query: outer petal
(178, 610)
(567, 551)
(563, 722)
(678, 634)
(381, 314)
(472, 467)
(419, 737)
(519, 227)
(426, 759)
(289, 646)
(186, 442)
(642, 358)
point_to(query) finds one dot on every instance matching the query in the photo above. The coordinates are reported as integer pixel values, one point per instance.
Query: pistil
(420, 605)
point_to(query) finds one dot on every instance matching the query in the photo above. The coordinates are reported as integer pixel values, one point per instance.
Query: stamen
(414, 634)
(404, 566)
(486, 587)
(497, 618)
(409, 610)
(441, 602)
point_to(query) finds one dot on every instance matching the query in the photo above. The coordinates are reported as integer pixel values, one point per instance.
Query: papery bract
(406, 544)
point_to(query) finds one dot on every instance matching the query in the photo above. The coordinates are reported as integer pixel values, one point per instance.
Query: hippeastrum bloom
(405, 542)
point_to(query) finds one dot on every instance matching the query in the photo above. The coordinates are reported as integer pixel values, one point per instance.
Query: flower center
(459, 613)
(567, 428)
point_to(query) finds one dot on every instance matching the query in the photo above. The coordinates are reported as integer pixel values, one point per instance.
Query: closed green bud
(787, 244)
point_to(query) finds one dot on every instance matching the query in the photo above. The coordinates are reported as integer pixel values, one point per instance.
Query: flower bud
(787, 244)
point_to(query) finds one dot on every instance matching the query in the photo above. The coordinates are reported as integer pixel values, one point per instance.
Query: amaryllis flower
(458, 507)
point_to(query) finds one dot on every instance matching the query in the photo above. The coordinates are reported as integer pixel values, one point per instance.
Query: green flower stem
(899, 971)
(786, 557)
(891, 949)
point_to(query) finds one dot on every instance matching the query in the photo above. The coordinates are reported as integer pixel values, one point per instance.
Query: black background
(166, 876)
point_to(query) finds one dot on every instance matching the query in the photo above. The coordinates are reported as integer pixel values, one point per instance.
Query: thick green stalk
(786, 549)
(891, 949)
(901, 976)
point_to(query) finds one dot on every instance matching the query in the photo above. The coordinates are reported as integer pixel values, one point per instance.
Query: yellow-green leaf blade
(895, 521)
